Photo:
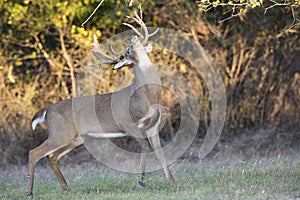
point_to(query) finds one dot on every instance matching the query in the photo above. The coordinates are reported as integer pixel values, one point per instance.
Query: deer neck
(144, 70)
(145, 73)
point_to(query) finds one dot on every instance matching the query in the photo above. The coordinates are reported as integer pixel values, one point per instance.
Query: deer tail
(38, 118)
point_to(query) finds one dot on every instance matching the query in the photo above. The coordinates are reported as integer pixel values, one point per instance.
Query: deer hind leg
(155, 143)
(54, 157)
(144, 144)
(53, 160)
(46, 148)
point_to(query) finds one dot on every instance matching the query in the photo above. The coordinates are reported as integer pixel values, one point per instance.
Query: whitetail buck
(134, 110)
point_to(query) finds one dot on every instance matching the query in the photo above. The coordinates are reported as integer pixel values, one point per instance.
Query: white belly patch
(107, 135)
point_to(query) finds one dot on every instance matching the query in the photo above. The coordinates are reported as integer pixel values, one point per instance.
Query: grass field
(272, 178)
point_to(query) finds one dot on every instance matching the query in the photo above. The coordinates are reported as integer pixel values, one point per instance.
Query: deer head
(135, 50)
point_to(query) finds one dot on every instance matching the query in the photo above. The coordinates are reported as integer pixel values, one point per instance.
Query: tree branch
(70, 62)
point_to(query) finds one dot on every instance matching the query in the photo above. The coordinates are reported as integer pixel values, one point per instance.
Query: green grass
(275, 178)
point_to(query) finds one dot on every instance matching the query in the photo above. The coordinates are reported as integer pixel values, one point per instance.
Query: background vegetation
(255, 45)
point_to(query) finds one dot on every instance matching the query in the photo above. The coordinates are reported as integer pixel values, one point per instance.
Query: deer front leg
(144, 144)
(155, 143)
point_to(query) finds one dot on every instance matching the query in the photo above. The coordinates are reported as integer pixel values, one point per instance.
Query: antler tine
(98, 53)
(134, 29)
(154, 32)
(96, 43)
(114, 52)
(140, 21)
(137, 19)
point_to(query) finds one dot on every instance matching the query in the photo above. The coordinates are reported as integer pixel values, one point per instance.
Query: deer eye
(128, 50)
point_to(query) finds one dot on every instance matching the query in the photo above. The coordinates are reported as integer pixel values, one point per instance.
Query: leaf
(18, 63)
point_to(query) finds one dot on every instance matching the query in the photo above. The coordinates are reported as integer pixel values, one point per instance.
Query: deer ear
(149, 48)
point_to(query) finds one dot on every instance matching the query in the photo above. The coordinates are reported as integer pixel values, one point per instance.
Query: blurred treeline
(42, 45)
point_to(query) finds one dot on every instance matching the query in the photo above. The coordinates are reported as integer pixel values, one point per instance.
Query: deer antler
(138, 19)
(105, 59)
(116, 53)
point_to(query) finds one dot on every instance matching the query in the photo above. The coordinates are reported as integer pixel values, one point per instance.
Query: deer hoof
(29, 194)
(141, 183)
